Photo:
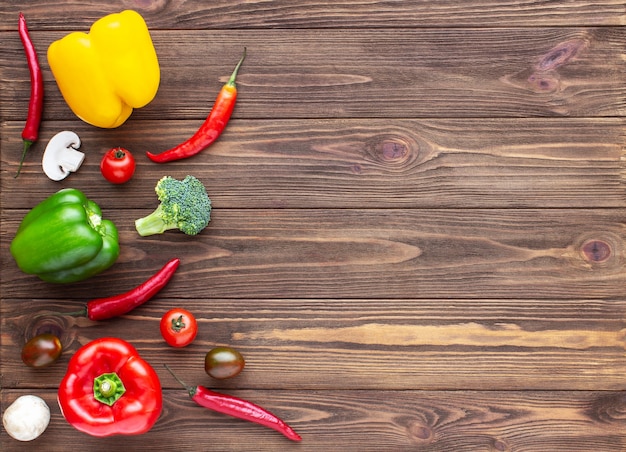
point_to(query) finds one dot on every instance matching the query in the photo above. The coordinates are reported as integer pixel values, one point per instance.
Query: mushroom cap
(26, 418)
(61, 156)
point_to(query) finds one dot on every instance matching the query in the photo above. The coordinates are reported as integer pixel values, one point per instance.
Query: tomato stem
(177, 324)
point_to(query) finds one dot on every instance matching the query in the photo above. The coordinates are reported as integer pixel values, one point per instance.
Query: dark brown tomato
(42, 350)
(223, 362)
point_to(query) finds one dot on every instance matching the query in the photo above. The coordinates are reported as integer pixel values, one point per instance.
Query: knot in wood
(609, 409)
(601, 250)
(46, 325)
(394, 150)
(561, 54)
(500, 446)
(420, 433)
(544, 82)
(596, 251)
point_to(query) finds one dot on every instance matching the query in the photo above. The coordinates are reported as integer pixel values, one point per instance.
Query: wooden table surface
(418, 231)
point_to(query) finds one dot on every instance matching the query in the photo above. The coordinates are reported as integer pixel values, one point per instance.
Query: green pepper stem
(233, 76)
(108, 388)
(27, 145)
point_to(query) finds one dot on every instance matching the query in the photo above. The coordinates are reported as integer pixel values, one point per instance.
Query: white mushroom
(61, 157)
(26, 418)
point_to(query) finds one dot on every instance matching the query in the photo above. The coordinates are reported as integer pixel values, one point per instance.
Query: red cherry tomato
(117, 165)
(178, 327)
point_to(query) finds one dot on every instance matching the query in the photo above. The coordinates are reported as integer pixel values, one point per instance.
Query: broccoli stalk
(184, 205)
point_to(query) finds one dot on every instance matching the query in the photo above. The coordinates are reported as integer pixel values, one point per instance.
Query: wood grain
(372, 253)
(418, 239)
(397, 73)
(407, 420)
(378, 163)
(299, 14)
(349, 344)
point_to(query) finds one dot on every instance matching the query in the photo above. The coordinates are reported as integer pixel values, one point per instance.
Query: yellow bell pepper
(106, 73)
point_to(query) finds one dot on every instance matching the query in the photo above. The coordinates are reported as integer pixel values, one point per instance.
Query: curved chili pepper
(117, 305)
(236, 407)
(212, 127)
(30, 133)
(106, 308)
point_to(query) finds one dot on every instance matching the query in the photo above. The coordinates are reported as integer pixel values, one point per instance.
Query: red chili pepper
(30, 133)
(212, 127)
(117, 305)
(236, 407)
(106, 308)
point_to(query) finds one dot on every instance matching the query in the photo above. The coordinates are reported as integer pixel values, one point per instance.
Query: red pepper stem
(27, 145)
(108, 388)
(231, 80)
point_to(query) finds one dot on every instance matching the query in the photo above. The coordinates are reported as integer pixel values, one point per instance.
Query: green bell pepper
(64, 239)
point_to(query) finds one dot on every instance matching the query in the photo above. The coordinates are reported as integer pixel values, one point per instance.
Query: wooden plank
(349, 344)
(224, 14)
(452, 163)
(399, 421)
(355, 253)
(398, 73)
(418, 234)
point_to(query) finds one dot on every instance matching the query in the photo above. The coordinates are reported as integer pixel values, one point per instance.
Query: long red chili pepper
(212, 127)
(106, 308)
(236, 407)
(30, 133)
(117, 305)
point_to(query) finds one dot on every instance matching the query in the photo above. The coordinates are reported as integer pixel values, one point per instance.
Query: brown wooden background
(418, 228)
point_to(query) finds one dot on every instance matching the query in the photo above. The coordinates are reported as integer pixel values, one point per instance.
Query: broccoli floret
(185, 205)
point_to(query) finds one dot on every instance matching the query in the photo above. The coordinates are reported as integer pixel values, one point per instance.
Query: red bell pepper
(110, 390)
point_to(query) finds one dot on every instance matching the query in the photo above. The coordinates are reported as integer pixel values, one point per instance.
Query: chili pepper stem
(81, 313)
(231, 80)
(27, 145)
(190, 389)
(182, 383)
